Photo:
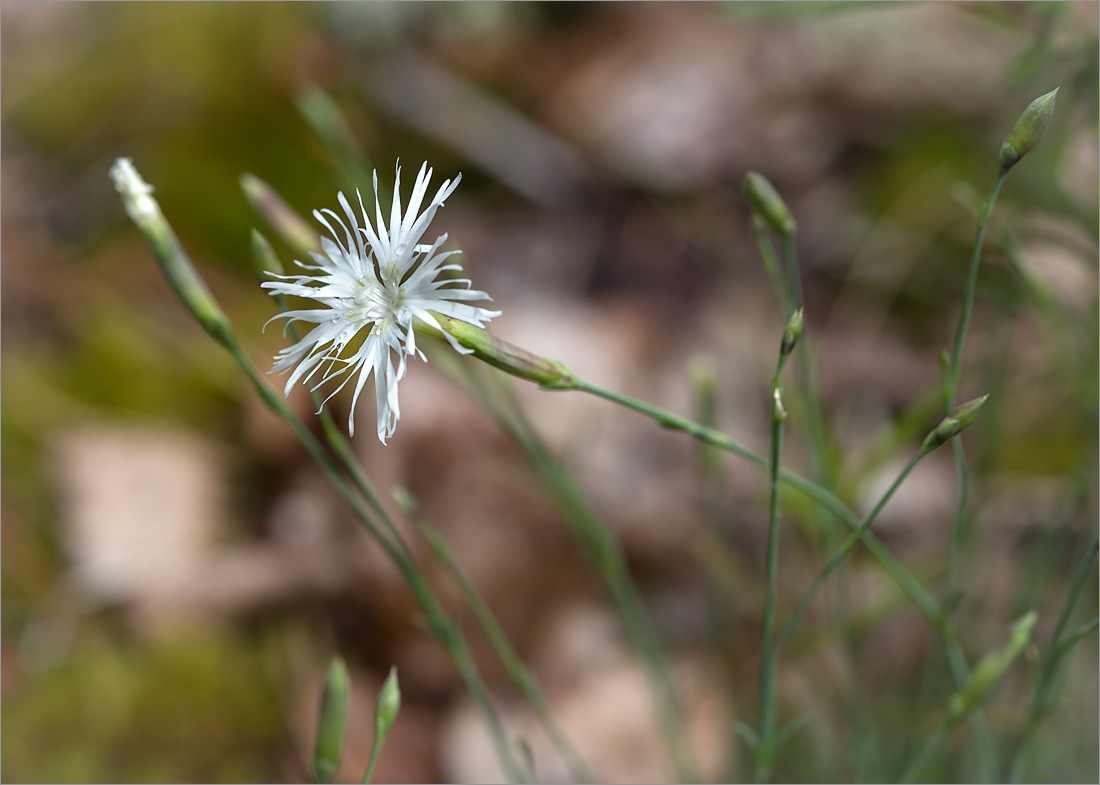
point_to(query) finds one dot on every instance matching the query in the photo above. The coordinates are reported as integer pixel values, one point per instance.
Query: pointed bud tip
(1028, 128)
(792, 333)
(765, 201)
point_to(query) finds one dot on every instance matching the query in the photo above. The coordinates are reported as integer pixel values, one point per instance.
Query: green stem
(765, 749)
(952, 380)
(437, 619)
(1049, 668)
(840, 553)
(912, 588)
(517, 671)
(771, 264)
(610, 564)
(930, 748)
(794, 279)
(375, 748)
(983, 740)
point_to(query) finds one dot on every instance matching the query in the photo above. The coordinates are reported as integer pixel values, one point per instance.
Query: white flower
(375, 283)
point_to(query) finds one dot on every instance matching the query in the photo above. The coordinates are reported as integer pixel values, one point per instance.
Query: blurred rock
(142, 509)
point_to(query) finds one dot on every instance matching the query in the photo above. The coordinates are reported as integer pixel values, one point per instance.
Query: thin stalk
(982, 737)
(930, 748)
(771, 264)
(951, 386)
(765, 749)
(901, 576)
(443, 629)
(517, 671)
(375, 748)
(1049, 668)
(952, 378)
(815, 418)
(610, 564)
(840, 553)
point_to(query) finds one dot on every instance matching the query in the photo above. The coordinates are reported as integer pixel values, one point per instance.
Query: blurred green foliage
(118, 712)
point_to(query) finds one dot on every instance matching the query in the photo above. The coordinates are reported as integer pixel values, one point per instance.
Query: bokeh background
(177, 573)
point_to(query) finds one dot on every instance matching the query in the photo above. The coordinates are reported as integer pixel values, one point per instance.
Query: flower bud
(952, 425)
(766, 202)
(264, 260)
(280, 216)
(511, 359)
(332, 723)
(1028, 128)
(387, 707)
(173, 260)
(991, 668)
(791, 334)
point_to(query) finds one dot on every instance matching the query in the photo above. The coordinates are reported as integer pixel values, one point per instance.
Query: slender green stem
(437, 619)
(1048, 670)
(516, 669)
(765, 750)
(375, 748)
(952, 379)
(930, 748)
(794, 277)
(609, 562)
(840, 553)
(771, 264)
(901, 576)
(951, 385)
(983, 740)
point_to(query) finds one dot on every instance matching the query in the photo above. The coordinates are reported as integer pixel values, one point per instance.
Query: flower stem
(841, 552)
(930, 748)
(438, 622)
(957, 660)
(901, 576)
(765, 749)
(608, 560)
(1060, 644)
(519, 673)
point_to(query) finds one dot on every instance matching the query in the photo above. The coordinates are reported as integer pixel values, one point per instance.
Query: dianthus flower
(373, 281)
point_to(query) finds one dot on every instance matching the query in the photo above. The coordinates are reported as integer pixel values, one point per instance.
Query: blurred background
(176, 571)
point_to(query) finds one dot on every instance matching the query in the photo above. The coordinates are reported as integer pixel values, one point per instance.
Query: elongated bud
(991, 668)
(264, 260)
(280, 216)
(1028, 128)
(792, 333)
(766, 202)
(509, 358)
(952, 425)
(144, 211)
(389, 704)
(333, 722)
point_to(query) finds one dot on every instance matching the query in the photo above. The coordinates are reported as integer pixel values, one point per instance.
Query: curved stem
(440, 625)
(841, 552)
(1049, 668)
(901, 576)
